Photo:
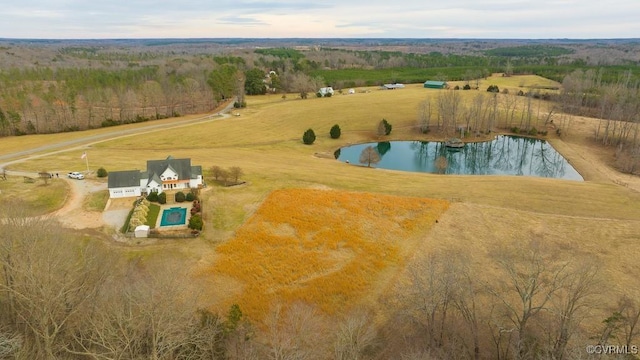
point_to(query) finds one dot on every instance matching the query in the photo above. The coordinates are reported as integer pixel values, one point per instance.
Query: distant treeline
(84, 85)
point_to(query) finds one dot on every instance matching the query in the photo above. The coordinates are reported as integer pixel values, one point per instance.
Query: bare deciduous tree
(49, 283)
(297, 333)
(369, 156)
(216, 171)
(354, 336)
(235, 172)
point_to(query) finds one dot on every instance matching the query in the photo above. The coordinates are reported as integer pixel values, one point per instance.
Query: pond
(505, 155)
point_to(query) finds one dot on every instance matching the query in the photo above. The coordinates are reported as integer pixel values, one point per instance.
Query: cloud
(237, 20)
(329, 18)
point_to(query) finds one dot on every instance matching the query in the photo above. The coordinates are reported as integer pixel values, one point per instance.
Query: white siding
(194, 183)
(124, 192)
(168, 175)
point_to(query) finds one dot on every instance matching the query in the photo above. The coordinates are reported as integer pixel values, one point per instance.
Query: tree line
(615, 104)
(533, 305)
(45, 100)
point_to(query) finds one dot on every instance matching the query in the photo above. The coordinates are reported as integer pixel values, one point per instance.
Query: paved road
(12, 158)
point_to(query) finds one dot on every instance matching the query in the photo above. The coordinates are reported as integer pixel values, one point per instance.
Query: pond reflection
(505, 155)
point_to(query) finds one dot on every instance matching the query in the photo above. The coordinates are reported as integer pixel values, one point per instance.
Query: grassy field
(37, 197)
(96, 201)
(595, 218)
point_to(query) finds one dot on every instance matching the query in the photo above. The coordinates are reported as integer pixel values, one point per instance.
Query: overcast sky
(525, 19)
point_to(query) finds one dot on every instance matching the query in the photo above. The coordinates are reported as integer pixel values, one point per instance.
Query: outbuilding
(432, 84)
(392, 86)
(141, 231)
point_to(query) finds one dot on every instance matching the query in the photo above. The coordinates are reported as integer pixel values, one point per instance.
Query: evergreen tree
(335, 131)
(254, 83)
(309, 137)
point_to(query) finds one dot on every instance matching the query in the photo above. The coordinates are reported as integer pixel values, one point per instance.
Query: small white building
(392, 86)
(141, 231)
(326, 90)
(161, 175)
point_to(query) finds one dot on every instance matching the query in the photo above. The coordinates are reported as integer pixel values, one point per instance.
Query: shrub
(239, 105)
(466, 87)
(309, 137)
(457, 87)
(162, 198)
(195, 222)
(515, 130)
(180, 197)
(319, 94)
(190, 196)
(533, 131)
(328, 94)
(109, 122)
(196, 206)
(102, 172)
(387, 127)
(153, 196)
(493, 88)
(335, 131)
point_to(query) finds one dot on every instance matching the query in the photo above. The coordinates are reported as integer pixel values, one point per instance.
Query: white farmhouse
(161, 175)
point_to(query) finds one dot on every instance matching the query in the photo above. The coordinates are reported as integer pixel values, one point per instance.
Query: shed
(432, 84)
(141, 231)
(392, 86)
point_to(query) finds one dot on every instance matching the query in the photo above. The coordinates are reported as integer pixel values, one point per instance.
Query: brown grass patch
(323, 247)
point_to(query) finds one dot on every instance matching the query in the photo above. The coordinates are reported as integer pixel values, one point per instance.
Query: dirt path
(73, 214)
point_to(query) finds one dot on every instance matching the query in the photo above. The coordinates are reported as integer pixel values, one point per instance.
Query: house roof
(195, 171)
(118, 179)
(155, 178)
(393, 86)
(435, 83)
(182, 167)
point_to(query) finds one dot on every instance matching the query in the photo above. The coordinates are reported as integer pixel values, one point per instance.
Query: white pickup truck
(75, 175)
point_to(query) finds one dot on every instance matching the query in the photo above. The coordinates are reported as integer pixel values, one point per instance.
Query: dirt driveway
(72, 214)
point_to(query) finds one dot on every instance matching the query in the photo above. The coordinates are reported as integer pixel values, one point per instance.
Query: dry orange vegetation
(324, 247)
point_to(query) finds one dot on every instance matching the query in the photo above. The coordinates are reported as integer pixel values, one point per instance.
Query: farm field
(597, 218)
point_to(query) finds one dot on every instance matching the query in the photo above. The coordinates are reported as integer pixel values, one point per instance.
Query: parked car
(75, 175)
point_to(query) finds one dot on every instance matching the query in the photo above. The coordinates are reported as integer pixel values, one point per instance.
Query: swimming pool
(174, 216)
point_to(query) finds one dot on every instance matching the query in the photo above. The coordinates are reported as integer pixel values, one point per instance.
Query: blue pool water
(174, 216)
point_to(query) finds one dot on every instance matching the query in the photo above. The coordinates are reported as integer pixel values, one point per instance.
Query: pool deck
(185, 205)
